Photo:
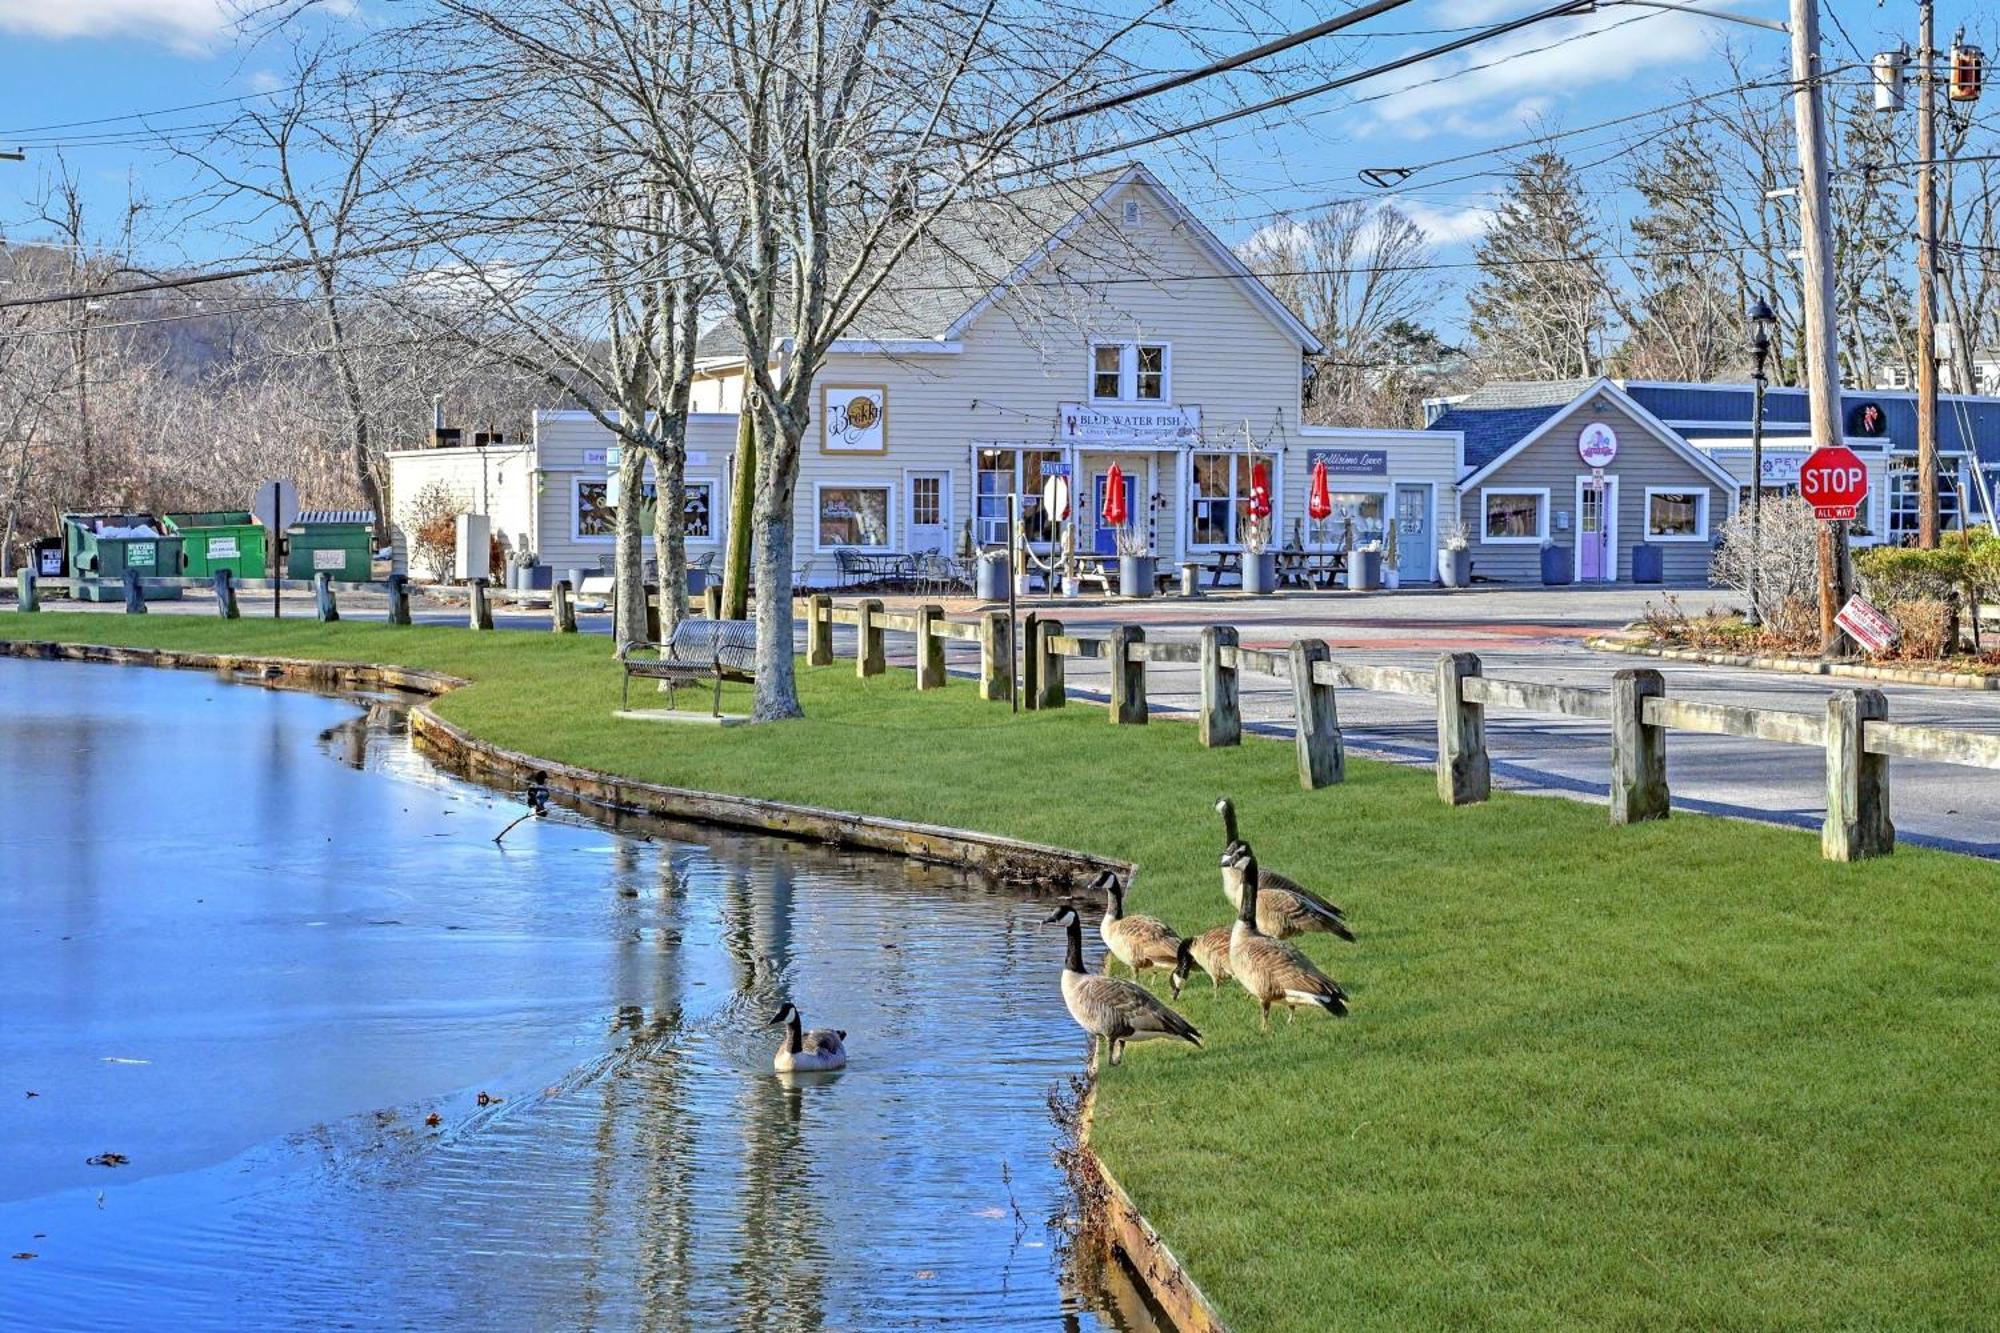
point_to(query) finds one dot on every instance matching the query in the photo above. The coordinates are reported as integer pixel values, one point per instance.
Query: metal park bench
(698, 650)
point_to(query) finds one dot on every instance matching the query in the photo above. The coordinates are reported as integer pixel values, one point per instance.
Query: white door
(930, 512)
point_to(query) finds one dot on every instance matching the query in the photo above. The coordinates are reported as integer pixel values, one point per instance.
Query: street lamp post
(1761, 320)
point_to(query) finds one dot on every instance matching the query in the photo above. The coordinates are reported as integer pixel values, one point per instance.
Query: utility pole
(1818, 337)
(1927, 361)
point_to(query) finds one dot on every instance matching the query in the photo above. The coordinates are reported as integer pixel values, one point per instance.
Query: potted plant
(1455, 556)
(1135, 562)
(1364, 568)
(1392, 577)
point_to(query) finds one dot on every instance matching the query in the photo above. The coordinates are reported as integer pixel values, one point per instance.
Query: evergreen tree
(1688, 323)
(1541, 308)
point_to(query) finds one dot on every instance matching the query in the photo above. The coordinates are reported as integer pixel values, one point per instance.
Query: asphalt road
(1530, 634)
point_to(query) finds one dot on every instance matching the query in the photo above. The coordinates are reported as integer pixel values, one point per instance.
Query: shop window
(1903, 521)
(696, 511)
(597, 516)
(1676, 516)
(1364, 507)
(1221, 497)
(1514, 516)
(1004, 472)
(1129, 372)
(855, 516)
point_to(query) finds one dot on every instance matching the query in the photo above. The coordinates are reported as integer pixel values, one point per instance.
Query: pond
(251, 943)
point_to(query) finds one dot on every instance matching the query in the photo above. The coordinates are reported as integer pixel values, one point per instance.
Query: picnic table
(1310, 569)
(875, 566)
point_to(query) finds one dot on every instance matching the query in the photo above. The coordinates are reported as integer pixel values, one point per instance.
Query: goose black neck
(1114, 902)
(1246, 907)
(794, 1034)
(1228, 823)
(1075, 961)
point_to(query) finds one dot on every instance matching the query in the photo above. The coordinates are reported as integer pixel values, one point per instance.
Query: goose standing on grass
(803, 1052)
(1139, 942)
(1112, 1007)
(1288, 907)
(1271, 970)
(1210, 952)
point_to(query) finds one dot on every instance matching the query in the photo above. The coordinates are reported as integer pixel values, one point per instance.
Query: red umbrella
(1319, 501)
(1114, 497)
(1260, 490)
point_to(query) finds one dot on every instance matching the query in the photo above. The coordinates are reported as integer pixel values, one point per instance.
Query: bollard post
(711, 601)
(324, 605)
(481, 609)
(1638, 750)
(135, 595)
(819, 630)
(398, 588)
(562, 611)
(870, 659)
(1322, 753)
(1221, 721)
(1049, 674)
(996, 656)
(1464, 775)
(1857, 783)
(930, 648)
(225, 595)
(1128, 677)
(27, 597)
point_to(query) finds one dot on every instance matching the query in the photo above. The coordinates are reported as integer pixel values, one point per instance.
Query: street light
(1761, 321)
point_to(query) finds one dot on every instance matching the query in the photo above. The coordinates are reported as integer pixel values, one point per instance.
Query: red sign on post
(1834, 481)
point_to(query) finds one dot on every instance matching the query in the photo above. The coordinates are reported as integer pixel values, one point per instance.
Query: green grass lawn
(1682, 1075)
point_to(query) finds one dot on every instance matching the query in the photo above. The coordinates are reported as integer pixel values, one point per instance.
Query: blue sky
(81, 60)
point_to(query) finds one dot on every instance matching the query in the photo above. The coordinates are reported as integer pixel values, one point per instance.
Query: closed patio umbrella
(1114, 497)
(1319, 502)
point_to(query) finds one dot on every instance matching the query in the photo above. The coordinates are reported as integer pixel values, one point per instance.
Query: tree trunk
(777, 480)
(628, 573)
(670, 532)
(742, 503)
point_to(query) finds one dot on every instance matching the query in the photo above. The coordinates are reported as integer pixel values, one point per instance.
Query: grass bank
(1684, 1075)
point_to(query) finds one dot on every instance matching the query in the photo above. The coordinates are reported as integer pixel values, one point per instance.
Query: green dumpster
(103, 546)
(228, 539)
(332, 541)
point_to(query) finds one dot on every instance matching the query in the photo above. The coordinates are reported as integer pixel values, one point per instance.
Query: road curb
(1949, 680)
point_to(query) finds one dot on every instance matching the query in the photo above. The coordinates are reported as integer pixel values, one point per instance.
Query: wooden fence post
(651, 592)
(1221, 720)
(324, 605)
(711, 601)
(819, 630)
(1638, 749)
(225, 595)
(1322, 754)
(26, 596)
(562, 611)
(399, 599)
(1049, 674)
(1128, 678)
(1857, 783)
(869, 658)
(930, 648)
(480, 610)
(135, 596)
(996, 656)
(1463, 773)
(1031, 670)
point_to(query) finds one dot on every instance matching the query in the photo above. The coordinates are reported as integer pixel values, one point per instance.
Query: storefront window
(854, 516)
(1364, 507)
(1221, 497)
(1012, 471)
(1677, 514)
(1903, 521)
(597, 516)
(1515, 516)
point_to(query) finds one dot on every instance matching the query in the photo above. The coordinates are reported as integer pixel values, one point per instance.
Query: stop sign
(1834, 481)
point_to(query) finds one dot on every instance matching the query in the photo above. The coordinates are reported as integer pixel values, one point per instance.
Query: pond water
(250, 942)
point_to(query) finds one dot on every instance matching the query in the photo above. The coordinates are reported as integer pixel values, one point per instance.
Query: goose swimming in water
(1139, 942)
(1287, 907)
(805, 1052)
(1112, 1007)
(1271, 970)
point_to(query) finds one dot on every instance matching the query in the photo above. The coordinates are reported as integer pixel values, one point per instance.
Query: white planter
(1392, 579)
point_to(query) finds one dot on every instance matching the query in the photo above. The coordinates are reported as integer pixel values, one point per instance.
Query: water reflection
(315, 957)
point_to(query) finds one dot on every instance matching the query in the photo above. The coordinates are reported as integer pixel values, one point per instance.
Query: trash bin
(993, 573)
(228, 539)
(1647, 566)
(332, 541)
(1555, 565)
(101, 547)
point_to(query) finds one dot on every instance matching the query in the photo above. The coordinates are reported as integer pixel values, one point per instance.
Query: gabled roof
(1545, 408)
(980, 248)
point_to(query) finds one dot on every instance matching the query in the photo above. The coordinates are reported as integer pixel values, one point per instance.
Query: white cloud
(183, 23)
(1447, 226)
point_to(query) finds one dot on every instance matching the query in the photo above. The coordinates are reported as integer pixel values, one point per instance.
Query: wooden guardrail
(1854, 731)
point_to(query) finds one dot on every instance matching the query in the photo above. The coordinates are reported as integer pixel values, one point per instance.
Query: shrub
(432, 522)
(1927, 626)
(1787, 565)
(1892, 574)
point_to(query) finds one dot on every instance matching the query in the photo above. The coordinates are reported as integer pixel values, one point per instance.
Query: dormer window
(1130, 373)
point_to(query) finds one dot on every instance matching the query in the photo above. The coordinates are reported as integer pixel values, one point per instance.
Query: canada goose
(1287, 907)
(1209, 951)
(803, 1052)
(1139, 942)
(1272, 971)
(1112, 1007)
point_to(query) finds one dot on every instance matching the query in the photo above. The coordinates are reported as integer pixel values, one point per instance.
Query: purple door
(1593, 536)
